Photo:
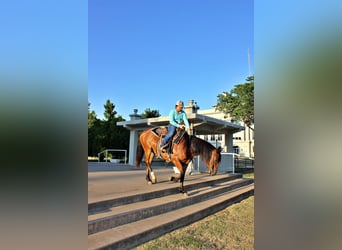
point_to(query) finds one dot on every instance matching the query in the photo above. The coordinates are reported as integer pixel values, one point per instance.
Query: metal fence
(243, 165)
(121, 158)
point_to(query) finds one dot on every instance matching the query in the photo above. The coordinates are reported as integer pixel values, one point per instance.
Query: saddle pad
(158, 131)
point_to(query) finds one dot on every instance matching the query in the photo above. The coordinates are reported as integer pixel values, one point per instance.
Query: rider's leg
(170, 132)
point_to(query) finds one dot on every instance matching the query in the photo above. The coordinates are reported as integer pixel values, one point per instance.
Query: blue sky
(149, 54)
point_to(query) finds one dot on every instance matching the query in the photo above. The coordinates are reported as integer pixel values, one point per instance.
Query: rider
(177, 117)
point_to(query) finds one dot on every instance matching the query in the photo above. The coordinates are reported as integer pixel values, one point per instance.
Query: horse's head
(215, 160)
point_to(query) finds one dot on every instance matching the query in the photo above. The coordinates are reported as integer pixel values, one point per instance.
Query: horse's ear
(219, 149)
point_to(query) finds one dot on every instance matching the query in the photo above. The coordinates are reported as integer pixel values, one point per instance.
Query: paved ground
(108, 180)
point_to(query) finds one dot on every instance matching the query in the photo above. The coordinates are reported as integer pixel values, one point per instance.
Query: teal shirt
(177, 118)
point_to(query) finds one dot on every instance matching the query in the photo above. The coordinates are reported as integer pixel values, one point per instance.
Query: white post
(233, 163)
(229, 142)
(133, 143)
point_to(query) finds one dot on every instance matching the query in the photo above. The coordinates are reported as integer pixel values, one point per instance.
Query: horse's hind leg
(150, 176)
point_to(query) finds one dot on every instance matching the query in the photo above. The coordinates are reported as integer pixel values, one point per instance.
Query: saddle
(161, 132)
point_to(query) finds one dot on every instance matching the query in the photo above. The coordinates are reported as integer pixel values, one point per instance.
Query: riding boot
(163, 148)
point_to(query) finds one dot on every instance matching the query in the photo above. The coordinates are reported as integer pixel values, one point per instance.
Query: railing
(105, 152)
(244, 164)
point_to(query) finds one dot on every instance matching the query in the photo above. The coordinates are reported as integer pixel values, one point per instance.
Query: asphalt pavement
(110, 180)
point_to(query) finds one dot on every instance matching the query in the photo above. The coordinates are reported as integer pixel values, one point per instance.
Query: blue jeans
(170, 132)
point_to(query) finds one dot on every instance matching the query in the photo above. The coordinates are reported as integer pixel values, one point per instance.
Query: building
(243, 141)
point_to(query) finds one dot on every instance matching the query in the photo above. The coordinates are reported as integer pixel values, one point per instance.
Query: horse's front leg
(181, 167)
(181, 179)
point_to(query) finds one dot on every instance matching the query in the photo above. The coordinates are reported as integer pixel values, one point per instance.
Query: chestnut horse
(182, 154)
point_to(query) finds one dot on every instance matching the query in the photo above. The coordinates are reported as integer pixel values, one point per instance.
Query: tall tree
(239, 102)
(114, 135)
(109, 113)
(150, 113)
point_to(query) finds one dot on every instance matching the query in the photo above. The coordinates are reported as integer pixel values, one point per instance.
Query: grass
(248, 175)
(231, 228)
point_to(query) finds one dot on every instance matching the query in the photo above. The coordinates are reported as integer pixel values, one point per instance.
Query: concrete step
(132, 234)
(161, 189)
(119, 215)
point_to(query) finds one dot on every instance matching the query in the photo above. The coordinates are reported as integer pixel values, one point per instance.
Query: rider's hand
(182, 126)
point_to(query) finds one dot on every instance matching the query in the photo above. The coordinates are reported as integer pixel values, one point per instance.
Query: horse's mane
(202, 148)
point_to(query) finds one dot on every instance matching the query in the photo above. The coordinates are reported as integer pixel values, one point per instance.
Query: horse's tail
(139, 155)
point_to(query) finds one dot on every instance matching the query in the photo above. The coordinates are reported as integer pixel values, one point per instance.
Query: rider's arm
(186, 122)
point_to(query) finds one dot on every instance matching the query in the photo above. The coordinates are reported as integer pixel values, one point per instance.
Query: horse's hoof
(185, 194)
(171, 178)
(149, 182)
(153, 177)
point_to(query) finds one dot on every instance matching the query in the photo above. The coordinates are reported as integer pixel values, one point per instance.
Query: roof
(201, 123)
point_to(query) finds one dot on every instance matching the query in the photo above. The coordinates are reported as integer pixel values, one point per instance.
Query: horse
(183, 152)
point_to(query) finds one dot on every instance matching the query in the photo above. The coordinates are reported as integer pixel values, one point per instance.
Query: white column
(133, 142)
(228, 137)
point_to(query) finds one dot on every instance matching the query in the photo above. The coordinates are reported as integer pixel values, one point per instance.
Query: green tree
(95, 133)
(96, 136)
(91, 117)
(109, 113)
(116, 137)
(105, 134)
(150, 113)
(239, 102)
